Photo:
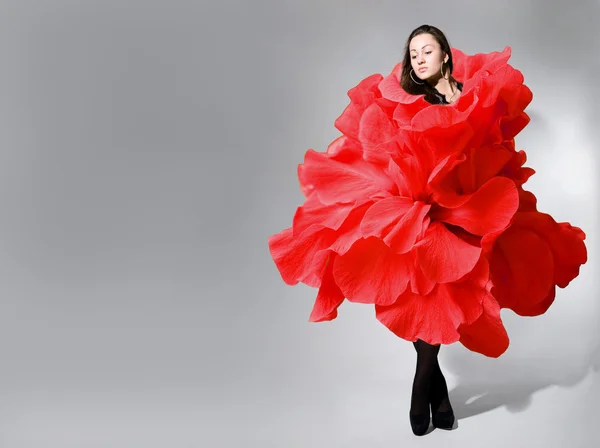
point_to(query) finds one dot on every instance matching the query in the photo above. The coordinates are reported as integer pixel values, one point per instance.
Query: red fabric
(419, 210)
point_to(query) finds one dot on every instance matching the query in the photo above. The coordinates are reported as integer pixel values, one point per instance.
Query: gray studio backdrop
(147, 151)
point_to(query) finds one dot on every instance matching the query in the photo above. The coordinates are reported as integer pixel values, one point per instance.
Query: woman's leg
(440, 400)
(419, 403)
(441, 409)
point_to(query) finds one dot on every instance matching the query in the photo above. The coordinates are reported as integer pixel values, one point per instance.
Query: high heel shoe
(443, 419)
(439, 395)
(419, 424)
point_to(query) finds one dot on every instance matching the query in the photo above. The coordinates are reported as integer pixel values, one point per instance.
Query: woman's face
(426, 56)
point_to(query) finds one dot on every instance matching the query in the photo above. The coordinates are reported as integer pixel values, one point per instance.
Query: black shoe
(419, 424)
(443, 419)
(439, 399)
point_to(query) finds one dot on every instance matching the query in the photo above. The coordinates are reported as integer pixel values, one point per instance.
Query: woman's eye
(428, 52)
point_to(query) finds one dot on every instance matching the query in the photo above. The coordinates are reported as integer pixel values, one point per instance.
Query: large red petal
(344, 149)
(298, 257)
(566, 242)
(439, 116)
(361, 96)
(329, 297)
(390, 88)
(511, 126)
(410, 175)
(467, 65)
(381, 216)
(443, 256)
(569, 252)
(483, 163)
(371, 273)
(443, 185)
(335, 181)
(407, 105)
(436, 317)
(378, 134)
(429, 318)
(487, 334)
(419, 283)
(522, 270)
(350, 231)
(441, 142)
(396, 220)
(404, 234)
(314, 212)
(400, 179)
(489, 209)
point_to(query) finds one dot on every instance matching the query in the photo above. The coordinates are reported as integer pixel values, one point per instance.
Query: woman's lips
(422, 69)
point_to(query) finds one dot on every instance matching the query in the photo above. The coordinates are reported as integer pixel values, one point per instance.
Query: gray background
(148, 149)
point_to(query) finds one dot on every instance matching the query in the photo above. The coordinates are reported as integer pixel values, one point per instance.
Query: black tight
(429, 385)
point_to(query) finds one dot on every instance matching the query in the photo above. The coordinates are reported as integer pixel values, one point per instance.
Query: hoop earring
(442, 70)
(413, 79)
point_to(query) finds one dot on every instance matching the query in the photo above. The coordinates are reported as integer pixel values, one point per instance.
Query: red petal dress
(419, 210)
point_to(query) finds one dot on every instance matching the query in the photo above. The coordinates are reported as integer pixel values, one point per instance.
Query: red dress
(419, 210)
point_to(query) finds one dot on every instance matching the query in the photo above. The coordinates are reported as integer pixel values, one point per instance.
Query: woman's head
(427, 58)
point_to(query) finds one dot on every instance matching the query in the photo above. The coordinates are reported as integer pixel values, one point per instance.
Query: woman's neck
(443, 86)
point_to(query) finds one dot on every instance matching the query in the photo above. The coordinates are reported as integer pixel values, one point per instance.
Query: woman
(419, 210)
(427, 70)
(427, 66)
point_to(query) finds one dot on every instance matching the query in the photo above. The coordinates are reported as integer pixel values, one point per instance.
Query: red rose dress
(419, 210)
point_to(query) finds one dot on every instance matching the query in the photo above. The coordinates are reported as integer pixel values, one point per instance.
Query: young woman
(427, 70)
(419, 210)
(427, 66)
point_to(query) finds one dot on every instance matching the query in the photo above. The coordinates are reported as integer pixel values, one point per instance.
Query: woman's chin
(424, 77)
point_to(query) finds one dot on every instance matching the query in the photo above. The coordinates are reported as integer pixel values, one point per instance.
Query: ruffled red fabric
(419, 210)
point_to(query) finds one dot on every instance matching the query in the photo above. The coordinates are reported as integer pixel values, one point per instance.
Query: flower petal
(390, 88)
(487, 334)
(410, 176)
(400, 179)
(371, 273)
(419, 283)
(329, 297)
(383, 215)
(361, 97)
(436, 317)
(335, 181)
(297, 257)
(466, 66)
(489, 209)
(442, 186)
(522, 269)
(440, 116)
(443, 256)
(314, 212)
(343, 149)
(566, 242)
(377, 134)
(403, 235)
(350, 231)
(483, 163)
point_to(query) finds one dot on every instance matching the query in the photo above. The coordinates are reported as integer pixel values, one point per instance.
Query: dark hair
(407, 82)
